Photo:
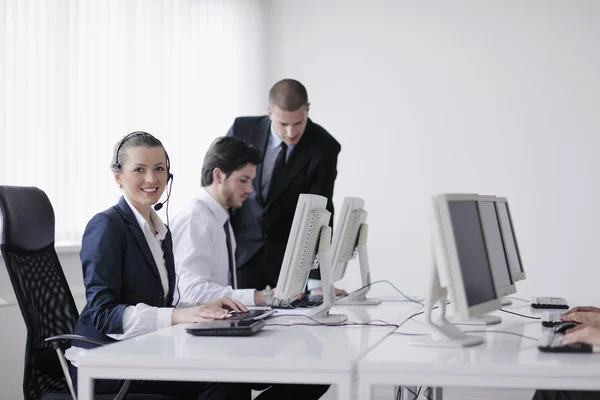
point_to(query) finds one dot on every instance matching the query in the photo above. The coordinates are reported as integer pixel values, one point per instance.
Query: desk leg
(365, 390)
(344, 389)
(437, 393)
(85, 386)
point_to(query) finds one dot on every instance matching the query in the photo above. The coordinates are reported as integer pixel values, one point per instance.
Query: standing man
(299, 157)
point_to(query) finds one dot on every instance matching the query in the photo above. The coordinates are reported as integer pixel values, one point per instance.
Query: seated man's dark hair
(228, 154)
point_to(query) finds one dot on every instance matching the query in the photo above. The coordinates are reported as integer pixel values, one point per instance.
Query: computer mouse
(563, 326)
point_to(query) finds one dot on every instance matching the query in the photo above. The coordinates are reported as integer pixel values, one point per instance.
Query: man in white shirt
(203, 240)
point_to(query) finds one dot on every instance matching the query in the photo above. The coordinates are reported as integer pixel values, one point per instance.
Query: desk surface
(503, 360)
(310, 347)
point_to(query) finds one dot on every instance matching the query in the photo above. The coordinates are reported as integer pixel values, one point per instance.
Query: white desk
(503, 361)
(299, 354)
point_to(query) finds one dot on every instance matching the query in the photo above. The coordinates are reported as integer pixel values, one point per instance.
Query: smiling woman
(142, 169)
(129, 272)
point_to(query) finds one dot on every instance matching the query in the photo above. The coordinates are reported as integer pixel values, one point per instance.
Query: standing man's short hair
(228, 154)
(288, 95)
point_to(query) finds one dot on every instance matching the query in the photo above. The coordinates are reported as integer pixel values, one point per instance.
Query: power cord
(507, 333)
(372, 322)
(518, 298)
(382, 281)
(520, 315)
(478, 331)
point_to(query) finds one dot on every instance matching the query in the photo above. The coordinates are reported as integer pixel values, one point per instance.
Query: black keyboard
(551, 318)
(550, 343)
(549, 302)
(250, 315)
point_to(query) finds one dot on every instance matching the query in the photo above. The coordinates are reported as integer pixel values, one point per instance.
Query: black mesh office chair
(44, 297)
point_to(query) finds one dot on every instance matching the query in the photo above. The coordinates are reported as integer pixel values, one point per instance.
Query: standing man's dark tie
(229, 255)
(278, 169)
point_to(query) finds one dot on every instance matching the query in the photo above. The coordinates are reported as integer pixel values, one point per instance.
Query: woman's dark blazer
(119, 271)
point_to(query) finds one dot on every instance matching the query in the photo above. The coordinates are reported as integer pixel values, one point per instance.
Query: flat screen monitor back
(510, 240)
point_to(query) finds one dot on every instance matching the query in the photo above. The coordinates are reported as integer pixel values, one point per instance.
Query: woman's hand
(200, 313)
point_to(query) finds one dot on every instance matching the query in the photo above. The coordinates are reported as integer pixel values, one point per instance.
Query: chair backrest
(44, 297)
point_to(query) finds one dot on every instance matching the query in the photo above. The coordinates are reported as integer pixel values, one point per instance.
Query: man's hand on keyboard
(592, 318)
(225, 303)
(583, 333)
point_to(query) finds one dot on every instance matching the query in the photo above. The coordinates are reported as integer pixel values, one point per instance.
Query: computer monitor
(510, 240)
(349, 239)
(308, 247)
(490, 220)
(461, 265)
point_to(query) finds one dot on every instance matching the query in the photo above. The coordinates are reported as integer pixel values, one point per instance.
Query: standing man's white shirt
(200, 249)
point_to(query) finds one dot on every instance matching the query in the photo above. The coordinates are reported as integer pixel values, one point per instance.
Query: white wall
(464, 96)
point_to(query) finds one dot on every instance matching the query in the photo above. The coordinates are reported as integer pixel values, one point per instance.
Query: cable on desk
(520, 315)
(505, 332)
(422, 312)
(409, 334)
(318, 323)
(381, 281)
(518, 298)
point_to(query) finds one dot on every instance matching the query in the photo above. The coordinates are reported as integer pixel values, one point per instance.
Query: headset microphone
(158, 206)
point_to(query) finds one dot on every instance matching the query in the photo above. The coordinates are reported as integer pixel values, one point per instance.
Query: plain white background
(429, 97)
(466, 96)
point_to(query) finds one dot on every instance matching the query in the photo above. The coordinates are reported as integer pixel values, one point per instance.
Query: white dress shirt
(200, 249)
(143, 318)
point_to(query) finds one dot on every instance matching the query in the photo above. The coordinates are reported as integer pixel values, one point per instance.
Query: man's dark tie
(278, 169)
(229, 255)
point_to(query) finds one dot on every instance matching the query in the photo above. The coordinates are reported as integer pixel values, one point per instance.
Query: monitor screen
(472, 253)
(495, 246)
(510, 242)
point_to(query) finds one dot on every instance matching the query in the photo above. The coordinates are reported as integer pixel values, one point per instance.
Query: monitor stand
(481, 321)
(444, 333)
(321, 313)
(505, 301)
(359, 298)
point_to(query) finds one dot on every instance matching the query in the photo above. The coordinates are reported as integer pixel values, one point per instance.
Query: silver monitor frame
(519, 276)
(446, 276)
(501, 291)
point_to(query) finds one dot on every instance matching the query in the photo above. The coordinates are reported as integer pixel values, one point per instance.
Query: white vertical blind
(76, 76)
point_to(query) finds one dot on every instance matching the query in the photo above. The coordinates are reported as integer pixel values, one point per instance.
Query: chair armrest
(61, 338)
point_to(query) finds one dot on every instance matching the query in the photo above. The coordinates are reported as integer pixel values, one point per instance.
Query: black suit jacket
(119, 271)
(311, 168)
